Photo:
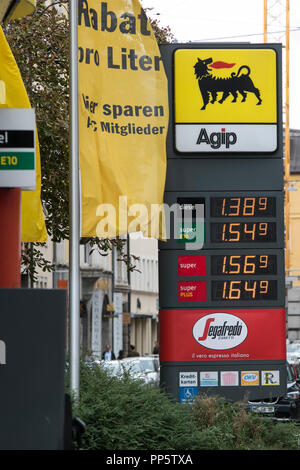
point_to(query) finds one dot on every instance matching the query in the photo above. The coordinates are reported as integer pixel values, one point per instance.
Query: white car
(113, 368)
(142, 368)
(150, 367)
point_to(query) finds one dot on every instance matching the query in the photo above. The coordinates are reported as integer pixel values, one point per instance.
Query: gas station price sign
(221, 270)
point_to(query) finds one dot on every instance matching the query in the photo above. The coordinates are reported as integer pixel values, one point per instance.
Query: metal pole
(10, 238)
(265, 20)
(74, 276)
(287, 137)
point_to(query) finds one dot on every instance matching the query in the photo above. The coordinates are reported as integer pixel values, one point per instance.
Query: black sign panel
(16, 139)
(221, 268)
(32, 369)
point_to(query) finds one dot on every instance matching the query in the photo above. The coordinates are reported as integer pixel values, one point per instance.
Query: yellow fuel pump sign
(225, 100)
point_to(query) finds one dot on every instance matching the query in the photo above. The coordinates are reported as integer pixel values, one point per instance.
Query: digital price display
(244, 290)
(243, 232)
(243, 206)
(240, 262)
(243, 264)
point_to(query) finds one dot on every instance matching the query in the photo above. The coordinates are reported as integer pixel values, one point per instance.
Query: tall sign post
(74, 286)
(221, 271)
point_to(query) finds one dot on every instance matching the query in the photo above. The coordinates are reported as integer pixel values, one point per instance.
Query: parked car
(150, 367)
(263, 407)
(296, 368)
(142, 368)
(286, 407)
(293, 352)
(113, 368)
(155, 358)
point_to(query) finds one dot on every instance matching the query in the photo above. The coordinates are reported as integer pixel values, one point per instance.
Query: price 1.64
(244, 290)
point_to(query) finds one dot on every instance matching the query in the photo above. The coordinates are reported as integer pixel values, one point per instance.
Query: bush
(125, 414)
(241, 430)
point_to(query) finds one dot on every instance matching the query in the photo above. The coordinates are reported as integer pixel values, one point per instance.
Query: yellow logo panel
(225, 86)
(270, 377)
(249, 378)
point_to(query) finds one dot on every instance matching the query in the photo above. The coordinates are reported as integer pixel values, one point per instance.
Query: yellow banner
(14, 96)
(21, 8)
(123, 119)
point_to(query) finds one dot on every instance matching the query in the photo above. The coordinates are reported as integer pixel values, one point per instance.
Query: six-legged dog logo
(209, 84)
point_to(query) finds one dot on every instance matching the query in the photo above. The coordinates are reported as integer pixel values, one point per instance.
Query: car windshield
(112, 368)
(131, 366)
(147, 365)
(293, 349)
(290, 373)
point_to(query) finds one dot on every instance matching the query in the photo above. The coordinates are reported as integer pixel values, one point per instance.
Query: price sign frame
(215, 313)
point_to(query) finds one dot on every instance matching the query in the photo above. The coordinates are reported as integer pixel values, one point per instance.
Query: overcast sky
(231, 21)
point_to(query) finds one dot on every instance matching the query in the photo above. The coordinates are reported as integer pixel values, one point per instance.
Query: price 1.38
(243, 207)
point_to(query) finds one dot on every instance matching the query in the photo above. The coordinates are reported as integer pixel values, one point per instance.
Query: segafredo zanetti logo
(220, 331)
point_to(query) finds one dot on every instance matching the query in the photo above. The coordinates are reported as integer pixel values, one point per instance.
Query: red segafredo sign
(220, 331)
(227, 335)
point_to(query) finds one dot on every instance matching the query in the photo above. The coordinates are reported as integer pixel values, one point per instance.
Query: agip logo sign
(225, 100)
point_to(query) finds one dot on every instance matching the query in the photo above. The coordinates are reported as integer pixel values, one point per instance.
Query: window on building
(294, 151)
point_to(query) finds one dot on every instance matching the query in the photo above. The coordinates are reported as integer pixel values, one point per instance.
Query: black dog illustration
(231, 85)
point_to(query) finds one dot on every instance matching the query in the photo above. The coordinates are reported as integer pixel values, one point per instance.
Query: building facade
(144, 294)
(117, 307)
(293, 274)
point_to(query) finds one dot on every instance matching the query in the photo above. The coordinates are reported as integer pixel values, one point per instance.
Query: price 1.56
(243, 264)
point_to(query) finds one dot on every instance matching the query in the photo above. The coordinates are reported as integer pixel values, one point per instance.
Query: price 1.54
(243, 232)
(244, 290)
